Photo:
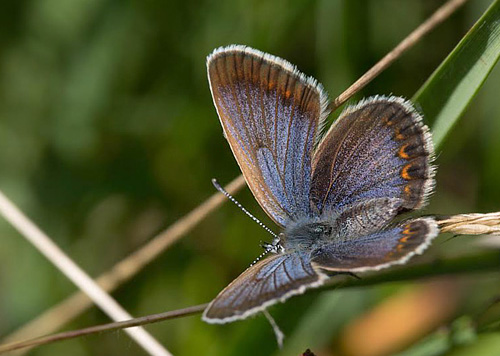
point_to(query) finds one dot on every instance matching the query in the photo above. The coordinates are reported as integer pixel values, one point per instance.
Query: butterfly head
(274, 247)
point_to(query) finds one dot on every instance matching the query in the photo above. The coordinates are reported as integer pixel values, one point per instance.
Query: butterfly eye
(318, 229)
(322, 230)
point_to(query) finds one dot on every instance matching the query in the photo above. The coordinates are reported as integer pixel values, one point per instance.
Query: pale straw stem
(69, 268)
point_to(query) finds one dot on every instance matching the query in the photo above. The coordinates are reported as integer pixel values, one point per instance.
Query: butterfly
(335, 195)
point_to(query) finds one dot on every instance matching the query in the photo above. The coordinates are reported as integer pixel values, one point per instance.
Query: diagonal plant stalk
(56, 317)
(489, 262)
(436, 18)
(104, 327)
(74, 273)
(449, 90)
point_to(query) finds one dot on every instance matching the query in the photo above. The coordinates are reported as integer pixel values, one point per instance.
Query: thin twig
(65, 311)
(74, 273)
(439, 16)
(484, 262)
(149, 319)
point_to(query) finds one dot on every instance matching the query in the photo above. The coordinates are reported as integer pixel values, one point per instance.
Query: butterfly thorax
(305, 234)
(351, 222)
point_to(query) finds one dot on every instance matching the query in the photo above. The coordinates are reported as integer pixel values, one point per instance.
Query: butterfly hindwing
(381, 249)
(365, 217)
(378, 148)
(270, 113)
(271, 280)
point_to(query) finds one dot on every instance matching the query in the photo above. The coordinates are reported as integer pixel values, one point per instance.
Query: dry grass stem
(74, 273)
(428, 25)
(471, 224)
(105, 327)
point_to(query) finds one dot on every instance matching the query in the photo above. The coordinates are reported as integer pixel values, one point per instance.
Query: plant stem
(428, 25)
(75, 274)
(485, 262)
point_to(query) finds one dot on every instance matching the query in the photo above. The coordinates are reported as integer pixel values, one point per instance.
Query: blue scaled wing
(387, 247)
(378, 148)
(270, 113)
(267, 282)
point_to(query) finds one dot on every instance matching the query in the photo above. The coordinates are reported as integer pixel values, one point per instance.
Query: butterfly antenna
(266, 251)
(230, 197)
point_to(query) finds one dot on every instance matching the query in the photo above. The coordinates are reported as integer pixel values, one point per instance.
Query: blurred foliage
(108, 134)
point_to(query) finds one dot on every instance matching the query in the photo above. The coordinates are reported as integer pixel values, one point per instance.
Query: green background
(108, 135)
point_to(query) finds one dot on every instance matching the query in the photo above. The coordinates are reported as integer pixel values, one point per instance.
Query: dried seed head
(471, 224)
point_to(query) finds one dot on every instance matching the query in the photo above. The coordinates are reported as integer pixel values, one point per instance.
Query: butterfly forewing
(274, 279)
(270, 114)
(376, 149)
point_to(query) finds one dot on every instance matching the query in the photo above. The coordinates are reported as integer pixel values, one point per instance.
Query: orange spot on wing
(288, 93)
(407, 230)
(271, 85)
(404, 172)
(399, 136)
(404, 238)
(407, 189)
(388, 122)
(402, 152)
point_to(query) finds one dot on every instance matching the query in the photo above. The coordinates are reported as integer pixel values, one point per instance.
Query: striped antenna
(230, 197)
(266, 251)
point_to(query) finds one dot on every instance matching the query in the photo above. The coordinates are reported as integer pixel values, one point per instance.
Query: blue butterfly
(334, 196)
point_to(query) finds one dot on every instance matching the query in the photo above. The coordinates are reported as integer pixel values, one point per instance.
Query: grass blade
(449, 90)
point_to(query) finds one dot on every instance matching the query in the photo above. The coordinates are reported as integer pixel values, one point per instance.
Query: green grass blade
(447, 93)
